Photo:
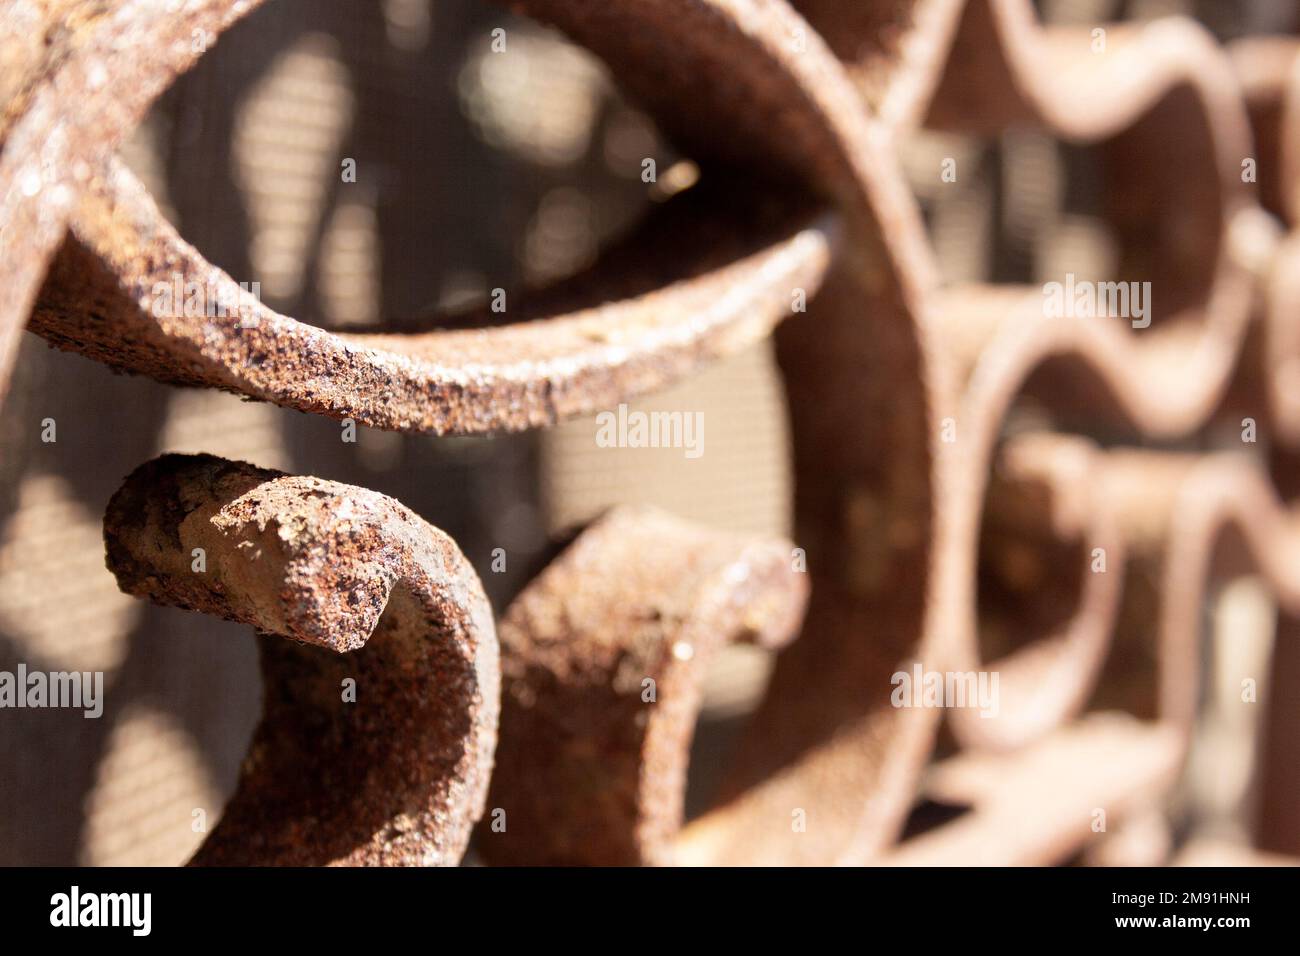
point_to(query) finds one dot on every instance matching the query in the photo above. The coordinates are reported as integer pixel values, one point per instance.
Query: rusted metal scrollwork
(379, 657)
(564, 359)
(602, 658)
(930, 524)
(77, 76)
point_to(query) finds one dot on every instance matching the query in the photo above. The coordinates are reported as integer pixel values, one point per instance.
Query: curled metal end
(380, 713)
(602, 657)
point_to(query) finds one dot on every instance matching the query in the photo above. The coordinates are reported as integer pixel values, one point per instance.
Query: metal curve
(1047, 485)
(81, 86)
(102, 294)
(351, 592)
(602, 657)
(890, 515)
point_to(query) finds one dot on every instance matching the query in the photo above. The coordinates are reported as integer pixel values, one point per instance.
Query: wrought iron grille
(1042, 559)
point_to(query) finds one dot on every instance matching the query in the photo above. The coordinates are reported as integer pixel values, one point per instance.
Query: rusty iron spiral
(900, 388)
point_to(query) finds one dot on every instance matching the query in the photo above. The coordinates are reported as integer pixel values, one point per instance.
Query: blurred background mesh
(474, 171)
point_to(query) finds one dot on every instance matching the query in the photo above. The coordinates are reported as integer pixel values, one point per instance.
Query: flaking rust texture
(908, 486)
(379, 657)
(77, 75)
(624, 328)
(602, 661)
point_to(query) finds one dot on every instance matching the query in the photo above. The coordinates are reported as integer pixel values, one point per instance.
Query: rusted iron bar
(77, 76)
(117, 293)
(1043, 803)
(378, 648)
(1056, 544)
(602, 660)
(1177, 512)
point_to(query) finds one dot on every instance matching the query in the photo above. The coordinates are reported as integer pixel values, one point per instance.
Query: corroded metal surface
(1047, 512)
(736, 281)
(78, 75)
(1036, 806)
(909, 487)
(379, 657)
(602, 659)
